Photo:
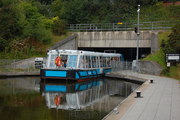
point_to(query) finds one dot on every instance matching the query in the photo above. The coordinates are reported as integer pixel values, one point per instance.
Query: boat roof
(81, 52)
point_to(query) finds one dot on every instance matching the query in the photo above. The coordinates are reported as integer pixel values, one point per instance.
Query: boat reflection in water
(74, 95)
(80, 95)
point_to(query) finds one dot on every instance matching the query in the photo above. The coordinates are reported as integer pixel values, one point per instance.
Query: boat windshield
(51, 61)
(72, 61)
(69, 61)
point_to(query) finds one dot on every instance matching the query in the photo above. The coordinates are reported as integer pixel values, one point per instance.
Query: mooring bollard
(116, 111)
(138, 93)
(151, 81)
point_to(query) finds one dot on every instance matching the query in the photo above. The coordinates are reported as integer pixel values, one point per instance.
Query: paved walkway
(160, 101)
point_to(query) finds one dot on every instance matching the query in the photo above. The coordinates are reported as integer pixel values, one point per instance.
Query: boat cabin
(75, 59)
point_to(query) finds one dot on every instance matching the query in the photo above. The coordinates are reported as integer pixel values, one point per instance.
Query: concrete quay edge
(123, 107)
(19, 74)
(160, 100)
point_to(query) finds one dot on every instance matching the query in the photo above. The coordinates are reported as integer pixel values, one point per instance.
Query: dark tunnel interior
(129, 54)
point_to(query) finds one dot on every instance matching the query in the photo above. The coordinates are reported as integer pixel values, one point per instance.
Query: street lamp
(137, 53)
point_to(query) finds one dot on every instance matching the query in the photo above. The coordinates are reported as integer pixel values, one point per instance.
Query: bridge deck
(160, 101)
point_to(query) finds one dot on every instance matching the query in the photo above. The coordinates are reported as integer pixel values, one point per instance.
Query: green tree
(22, 24)
(12, 21)
(74, 11)
(36, 26)
(172, 44)
(174, 39)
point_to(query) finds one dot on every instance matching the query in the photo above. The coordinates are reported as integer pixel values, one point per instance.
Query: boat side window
(108, 61)
(72, 61)
(82, 61)
(64, 60)
(104, 61)
(101, 61)
(93, 60)
(113, 62)
(118, 61)
(52, 61)
(88, 62)
(97, 61)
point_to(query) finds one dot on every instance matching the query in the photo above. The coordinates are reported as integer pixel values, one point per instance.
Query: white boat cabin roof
(81, 52)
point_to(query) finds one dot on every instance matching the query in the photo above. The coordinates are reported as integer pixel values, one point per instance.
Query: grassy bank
(174, 72)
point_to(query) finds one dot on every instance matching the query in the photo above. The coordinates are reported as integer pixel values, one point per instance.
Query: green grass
(160, 12)
(56, 39)
(174, 72)
(158, 57)
(163, 36)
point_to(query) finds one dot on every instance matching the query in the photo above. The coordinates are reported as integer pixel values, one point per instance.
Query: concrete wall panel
(126, 39)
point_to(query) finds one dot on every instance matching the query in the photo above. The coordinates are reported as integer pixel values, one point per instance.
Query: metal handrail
(155, 25)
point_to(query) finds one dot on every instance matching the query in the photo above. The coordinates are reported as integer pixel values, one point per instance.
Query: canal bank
(18, 74)
(159, 100)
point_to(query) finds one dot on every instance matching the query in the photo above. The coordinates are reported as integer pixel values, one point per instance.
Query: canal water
(20, 99)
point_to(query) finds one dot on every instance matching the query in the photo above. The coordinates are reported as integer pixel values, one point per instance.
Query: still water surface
(20, 99)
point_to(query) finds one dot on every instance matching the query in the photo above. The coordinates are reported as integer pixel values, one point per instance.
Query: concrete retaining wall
(150, 67)
(68, 43)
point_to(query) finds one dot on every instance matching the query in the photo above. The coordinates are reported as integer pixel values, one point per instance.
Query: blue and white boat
(74, 75)
(77, 65)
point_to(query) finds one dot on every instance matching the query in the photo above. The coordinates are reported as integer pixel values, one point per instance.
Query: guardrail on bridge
(157, 25)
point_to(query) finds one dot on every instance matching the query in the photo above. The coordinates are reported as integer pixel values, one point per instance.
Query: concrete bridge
(121, 41)
(118, 39)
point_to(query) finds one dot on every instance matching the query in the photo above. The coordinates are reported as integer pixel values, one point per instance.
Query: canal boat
(77, 65)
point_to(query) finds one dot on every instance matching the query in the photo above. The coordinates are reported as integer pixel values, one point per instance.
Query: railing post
(113, 27)
(125, 27)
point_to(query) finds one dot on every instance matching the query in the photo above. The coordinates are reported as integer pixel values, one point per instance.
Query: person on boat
(57, 100)
(65, 64)
(58, 61)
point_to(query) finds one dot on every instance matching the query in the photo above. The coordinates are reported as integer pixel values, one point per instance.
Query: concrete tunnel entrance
(128, 53)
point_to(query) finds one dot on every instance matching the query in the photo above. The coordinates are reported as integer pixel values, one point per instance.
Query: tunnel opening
(128, 53)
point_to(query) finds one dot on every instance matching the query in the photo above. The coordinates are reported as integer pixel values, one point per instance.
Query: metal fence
(157, 25)
(17, 66)
(122, 66)
(128, 69)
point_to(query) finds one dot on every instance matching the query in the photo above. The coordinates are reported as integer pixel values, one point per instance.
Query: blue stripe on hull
(87, 74)
(75, 74)
(87, 86)
(98, 71)
(55, 88)
(55, 74)
(77, 87)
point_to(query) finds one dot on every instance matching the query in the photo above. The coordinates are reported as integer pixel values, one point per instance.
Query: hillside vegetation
(29, 27)
(169, 44)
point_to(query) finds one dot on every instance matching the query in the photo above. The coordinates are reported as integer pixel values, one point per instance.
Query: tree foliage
(172, 45)
(31, 22)
(21, 21)
(96, 11)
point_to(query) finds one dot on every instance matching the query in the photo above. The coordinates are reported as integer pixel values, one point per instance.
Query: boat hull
(73, 75)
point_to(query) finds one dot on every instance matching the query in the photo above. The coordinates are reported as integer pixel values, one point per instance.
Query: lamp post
(137, 53)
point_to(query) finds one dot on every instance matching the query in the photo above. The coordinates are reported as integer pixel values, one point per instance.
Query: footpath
(159, 100)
